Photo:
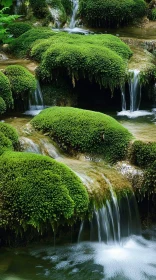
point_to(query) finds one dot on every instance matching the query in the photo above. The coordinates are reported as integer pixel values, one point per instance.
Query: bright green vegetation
(22, 82)
(99, 13)
(9, 132)
(5, 143)
(143, 154)
(38, 193)
(8, 137)
(6, 100)
(84, 131)
(18, 28)
(22, 45)
(98, 58)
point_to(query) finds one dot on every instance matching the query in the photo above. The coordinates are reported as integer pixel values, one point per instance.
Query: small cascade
(113, 222)
(35, 102)
(73, 18)
(135, 91)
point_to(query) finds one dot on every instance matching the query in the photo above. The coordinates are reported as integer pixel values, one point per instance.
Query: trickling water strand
(123, 99)
(135, 91)
(75, 9)
(80, 231)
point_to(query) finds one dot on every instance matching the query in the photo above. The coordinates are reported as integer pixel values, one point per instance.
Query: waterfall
(113, 222)
(35, 102)
(135, 91)
(75, 9)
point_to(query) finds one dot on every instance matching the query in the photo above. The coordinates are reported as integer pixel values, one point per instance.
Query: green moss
(143, 154)
(23, 83)
(5, 90)
(10, 132)
(5, 143)
(22, 45)
(84, 131)
(37, 191)
(2, 105)
(18, 28)
(90, 61)
(99, 13)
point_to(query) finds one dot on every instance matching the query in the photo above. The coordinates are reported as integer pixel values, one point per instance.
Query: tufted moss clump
(22, 82)
(22, 45)
(98, 58)
(5, 91)
(84, 131)
(99, 13)
(5, 143)
(9, 132)
(37, 192)
(18, 28)
(143, 154)
(2, 105)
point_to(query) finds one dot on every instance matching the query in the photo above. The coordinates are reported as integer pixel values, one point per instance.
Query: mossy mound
(18, 28)
(143, 154)
(22, 45)
(5, 143)
(9, 132)
(38, 192)
(84, 131)
(22, 82)
(5, 91)
(98, 58)
(100, 13)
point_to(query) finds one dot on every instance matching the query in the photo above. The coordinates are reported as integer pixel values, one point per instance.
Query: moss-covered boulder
(84, 131)
(22, 45)
(100, 13)
(18, 28)
(23, 83)
(9, 132)
(5, 143)
(143, 154)
(37, 192)
(5, 92)
(98, 58)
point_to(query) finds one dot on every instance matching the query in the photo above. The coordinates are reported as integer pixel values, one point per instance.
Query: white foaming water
(135, 91)
(135, 114)
(134, 260)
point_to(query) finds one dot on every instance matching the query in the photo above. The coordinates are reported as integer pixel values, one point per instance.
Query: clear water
(135, 259)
